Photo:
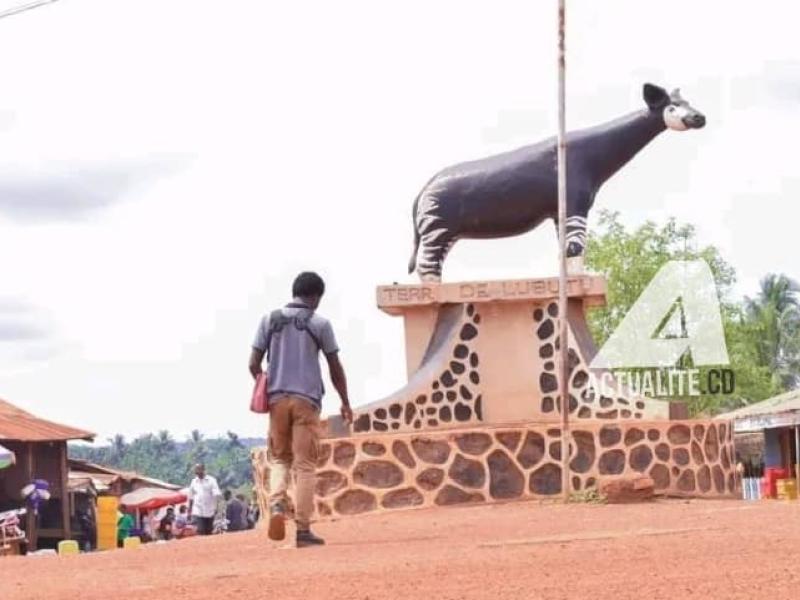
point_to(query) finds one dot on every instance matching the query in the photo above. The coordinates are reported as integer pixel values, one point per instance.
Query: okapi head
(677, 113)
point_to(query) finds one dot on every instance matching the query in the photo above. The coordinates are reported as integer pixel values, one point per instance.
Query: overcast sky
(167, 166)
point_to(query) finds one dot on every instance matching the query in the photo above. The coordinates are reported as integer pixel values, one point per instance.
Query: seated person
(181, 528)
(165, 526)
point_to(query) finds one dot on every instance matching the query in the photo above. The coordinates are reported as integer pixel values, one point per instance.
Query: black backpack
(277, 321)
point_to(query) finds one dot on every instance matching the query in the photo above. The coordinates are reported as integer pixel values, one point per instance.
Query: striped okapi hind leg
(436, 236)
(576, 244)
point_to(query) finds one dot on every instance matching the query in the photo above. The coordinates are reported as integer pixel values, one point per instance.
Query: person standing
(292, 338)
(203, 496)
(235, 512)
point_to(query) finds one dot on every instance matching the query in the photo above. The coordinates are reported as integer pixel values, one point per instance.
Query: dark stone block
(353, 502)
(509, 439)
(584, 456)
(473, 360)
(731, 483)
(722, 432)
(447, 379)
(473, 443)
(362, 423)
(395, 410)
(417, 424)
(679, 434)
(344, 453)
(546, 480)
(380, 426)
(395, 425)
(625, 414)
(373, 448)
(610, 436)
(431, 451)
(547, 404)
(457, 367)
(445, 414)
(548, 383)
(462, 412)
(433, 423)
(585, 412)
(452, 495)
(612, 462)
(329, 482)
(633, 436)
(323, 509)
(465, 393)
(470, 310)
(552, 309)
(662, 451)
(653, 435)
(580, 379)
(660, 476)
(431, 410)
(606, 402)
(402, 453)
(538, 314)
(555, 450)
(699, 431)
(546, 351)
(467, 473)
(461, 351)
(421, 399)
(437, 397)
(468, 332)
(474, 377)
(640, 458)
(479, 407)
(430, 479)
(686, 482)
(451, 396)
(697, 454)
(680, 456)
(402, 498)
(704, 479)
(377, 474)
(505, 479)
(545, 330)
(532, 450)
(610, 415)
(723, 458)
(380, 413)
(411, 410)
(712, 445)
(550, 365)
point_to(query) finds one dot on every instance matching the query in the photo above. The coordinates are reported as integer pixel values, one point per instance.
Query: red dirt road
(668, 549)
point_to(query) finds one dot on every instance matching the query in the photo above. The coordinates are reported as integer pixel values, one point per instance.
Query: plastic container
(771, 476)
(68, 547)
(132, 542)
(787, 489)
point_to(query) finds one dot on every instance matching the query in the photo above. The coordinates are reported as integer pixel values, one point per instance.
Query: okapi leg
(434, 248)
(576, 243)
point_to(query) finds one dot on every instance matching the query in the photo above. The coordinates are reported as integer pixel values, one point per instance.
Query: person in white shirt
(203, 496)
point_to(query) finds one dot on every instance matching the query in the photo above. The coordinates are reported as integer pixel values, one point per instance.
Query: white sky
(166, 167)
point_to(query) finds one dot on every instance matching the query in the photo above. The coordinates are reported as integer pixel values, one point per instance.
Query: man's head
(183, 509)
(171, 510)
(309, 288)
(200, 470)
(227, 495)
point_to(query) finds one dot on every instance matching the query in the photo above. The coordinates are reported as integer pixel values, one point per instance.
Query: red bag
(259, 403)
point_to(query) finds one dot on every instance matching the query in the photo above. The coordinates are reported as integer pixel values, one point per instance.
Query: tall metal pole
(563, 378)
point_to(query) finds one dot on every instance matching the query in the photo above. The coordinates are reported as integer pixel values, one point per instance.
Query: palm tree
(117, 449)
(234, 441)
(775, 315)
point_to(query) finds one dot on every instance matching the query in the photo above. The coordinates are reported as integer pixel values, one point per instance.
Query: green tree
(630, 259)
(775, 317)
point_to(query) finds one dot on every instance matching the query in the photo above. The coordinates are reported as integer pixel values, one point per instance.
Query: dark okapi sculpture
(511, 193)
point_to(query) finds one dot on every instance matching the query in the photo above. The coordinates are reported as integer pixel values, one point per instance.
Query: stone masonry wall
(489, 464)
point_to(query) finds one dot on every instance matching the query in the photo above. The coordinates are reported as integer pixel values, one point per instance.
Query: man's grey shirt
(293, 367)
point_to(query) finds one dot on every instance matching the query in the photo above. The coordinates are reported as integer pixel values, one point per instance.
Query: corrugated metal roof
(786, 402)
(17, 424)
(109, 475)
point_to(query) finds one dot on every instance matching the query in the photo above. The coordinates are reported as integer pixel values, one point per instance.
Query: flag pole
(563, 379)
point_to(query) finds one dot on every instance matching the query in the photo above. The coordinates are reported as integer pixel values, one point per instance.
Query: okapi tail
(412, 264)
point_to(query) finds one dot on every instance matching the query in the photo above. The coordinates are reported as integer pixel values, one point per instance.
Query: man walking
(292, 338)
(203, 496)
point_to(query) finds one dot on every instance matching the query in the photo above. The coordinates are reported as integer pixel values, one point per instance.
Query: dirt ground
(668, 549)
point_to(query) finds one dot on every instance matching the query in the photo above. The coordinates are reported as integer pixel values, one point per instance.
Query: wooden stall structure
(41, 451)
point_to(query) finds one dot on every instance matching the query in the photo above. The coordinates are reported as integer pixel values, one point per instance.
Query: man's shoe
(277, 522)
(306, 538)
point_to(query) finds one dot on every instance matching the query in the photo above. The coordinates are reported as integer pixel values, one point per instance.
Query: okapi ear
(654, 96)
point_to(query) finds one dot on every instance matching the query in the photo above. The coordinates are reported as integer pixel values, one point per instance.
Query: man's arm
(256, 357)
(339, 380)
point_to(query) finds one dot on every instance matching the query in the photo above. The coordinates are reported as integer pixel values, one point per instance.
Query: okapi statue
(512, 193)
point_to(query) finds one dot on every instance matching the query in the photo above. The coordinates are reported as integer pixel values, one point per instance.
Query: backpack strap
(277, 321)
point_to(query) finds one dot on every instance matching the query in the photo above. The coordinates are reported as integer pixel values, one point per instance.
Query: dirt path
(669, 549)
